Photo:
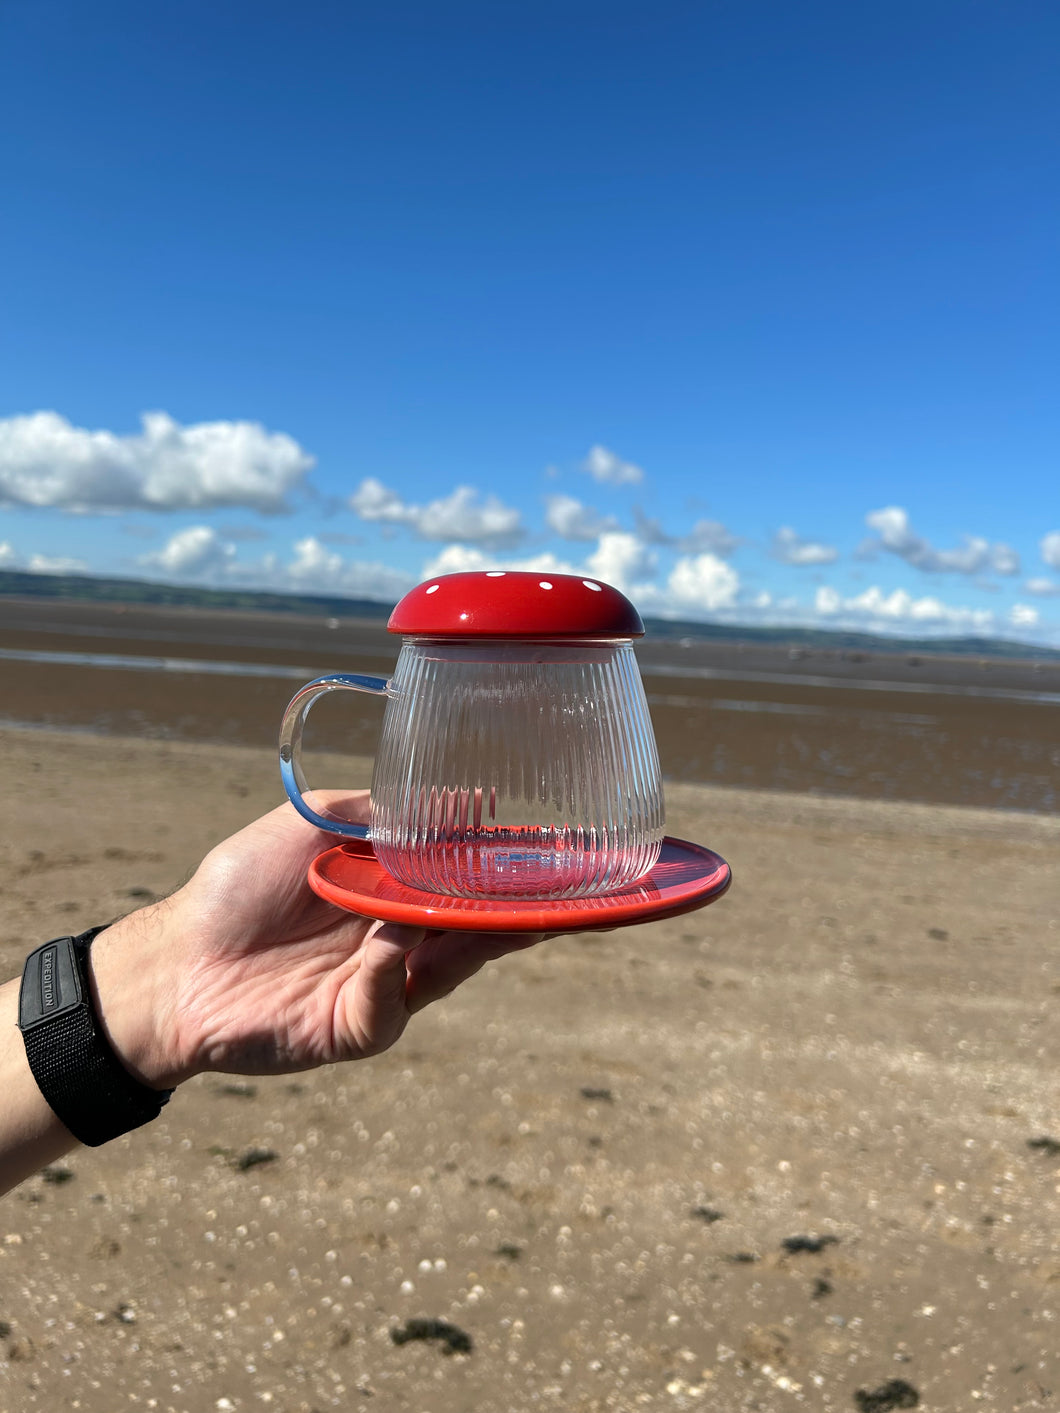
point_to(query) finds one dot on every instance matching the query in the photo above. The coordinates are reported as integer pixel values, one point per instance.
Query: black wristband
(73, 1062)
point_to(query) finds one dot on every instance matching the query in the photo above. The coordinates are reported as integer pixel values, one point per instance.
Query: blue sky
(750, 308)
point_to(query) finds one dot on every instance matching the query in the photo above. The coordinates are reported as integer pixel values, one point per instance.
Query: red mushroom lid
(510, 603)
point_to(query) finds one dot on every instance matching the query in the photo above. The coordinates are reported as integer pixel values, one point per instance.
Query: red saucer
(687, 877)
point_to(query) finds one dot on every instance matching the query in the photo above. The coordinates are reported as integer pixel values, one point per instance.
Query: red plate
(687, 877)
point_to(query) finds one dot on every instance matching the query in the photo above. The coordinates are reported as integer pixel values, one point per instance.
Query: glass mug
(511, 765)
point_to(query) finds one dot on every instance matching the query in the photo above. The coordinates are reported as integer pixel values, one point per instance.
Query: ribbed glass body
(517, 769)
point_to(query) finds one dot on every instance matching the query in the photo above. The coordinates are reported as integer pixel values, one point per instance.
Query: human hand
(245, 970)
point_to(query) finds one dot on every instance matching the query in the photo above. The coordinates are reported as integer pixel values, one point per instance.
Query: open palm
(272, 979)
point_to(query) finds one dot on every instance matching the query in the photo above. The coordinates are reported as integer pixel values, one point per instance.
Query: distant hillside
(87, 589)
(847, 639)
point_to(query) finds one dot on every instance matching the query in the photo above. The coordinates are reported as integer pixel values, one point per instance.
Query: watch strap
(73, 1062)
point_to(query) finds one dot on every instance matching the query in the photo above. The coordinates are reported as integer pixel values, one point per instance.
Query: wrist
(84, 1079)
(133, 985)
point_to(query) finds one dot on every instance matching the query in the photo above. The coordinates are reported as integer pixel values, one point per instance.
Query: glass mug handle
(291, 772)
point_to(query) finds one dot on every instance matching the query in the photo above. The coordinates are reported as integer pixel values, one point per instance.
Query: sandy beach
(801, 1148)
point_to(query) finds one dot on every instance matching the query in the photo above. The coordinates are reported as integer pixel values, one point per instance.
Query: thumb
(375, 998)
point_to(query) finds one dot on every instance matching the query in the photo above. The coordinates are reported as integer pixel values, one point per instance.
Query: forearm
(30, 1134)
(130, 1015)
(244, 970)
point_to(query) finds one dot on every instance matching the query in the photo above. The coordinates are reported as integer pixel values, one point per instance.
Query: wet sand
(801, 1148)
(941, 730)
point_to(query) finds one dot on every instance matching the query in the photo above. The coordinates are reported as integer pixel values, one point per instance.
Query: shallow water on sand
(940, 730)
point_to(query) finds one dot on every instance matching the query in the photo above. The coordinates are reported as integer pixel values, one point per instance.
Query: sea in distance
(933, 727)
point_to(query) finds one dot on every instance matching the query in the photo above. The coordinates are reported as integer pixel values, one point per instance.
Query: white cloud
(704, 583)
(650, 531)
(40, 563)
(1004, 560)
(899, 607)
(572, 520)
(791, 548)
(45, 461)
(1044, 588)
(705, 536)
(195, 552)
(55, 564)
(603, 465)
(198, 554)
(1050, 548)
(316, 569)
(457, 516)
(619, 559)
(1022, 615)
(374, 501)
(463, 559)
(314, 563)
(975, 557)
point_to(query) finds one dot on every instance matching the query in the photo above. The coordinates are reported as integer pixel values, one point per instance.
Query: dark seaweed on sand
(710, 1215)
(813, 1244)
(895, 1393)
(253, 1158)
(56, 1176)
(452, 1338)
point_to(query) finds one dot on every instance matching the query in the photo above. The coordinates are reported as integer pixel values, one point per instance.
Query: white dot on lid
(590, 585)
(495, 573)
(434, 588)
(544, 584)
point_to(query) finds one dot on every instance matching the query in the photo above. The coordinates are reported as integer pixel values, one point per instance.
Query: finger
(309, 839)
(285, 835)
(353, 806)
(296, 840)
(375, 997)
(446, 959)
(384, 963)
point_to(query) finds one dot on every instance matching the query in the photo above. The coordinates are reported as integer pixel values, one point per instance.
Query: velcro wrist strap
(73, 1062)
